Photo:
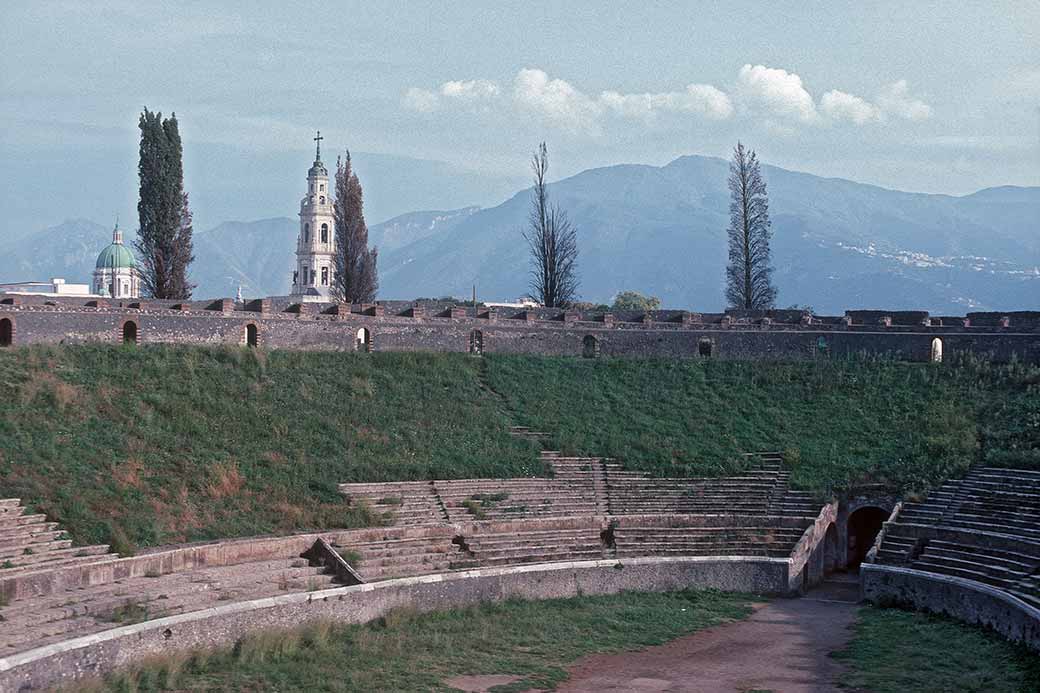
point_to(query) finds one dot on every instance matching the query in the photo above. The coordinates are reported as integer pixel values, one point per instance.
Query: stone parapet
(64, 663)
(965, 600)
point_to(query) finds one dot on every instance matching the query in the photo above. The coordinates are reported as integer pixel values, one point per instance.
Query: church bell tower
(316, 244)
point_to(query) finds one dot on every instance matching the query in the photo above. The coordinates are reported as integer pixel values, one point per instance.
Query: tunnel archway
(6, 332)
(863, 527)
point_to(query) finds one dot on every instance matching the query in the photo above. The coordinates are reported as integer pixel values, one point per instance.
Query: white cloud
(420, 100)
(840, 105)
(471, 90)
(776, 91)
(895, 99)
(700, 99)
(775, 95)
(557, 101)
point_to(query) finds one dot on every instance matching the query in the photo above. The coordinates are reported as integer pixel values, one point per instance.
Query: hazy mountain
(68, 250)
(224, 182)
(837, 244)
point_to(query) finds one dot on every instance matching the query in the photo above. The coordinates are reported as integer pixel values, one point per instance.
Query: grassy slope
(411, 652)
(895, 651)
(907, 426)
(160, 445)
(148, 446)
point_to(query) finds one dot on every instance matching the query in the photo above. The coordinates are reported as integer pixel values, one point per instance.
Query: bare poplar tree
(553, 242)
(749, 273)
(356, 279)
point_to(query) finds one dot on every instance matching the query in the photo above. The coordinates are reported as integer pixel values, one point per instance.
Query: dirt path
(783, 647)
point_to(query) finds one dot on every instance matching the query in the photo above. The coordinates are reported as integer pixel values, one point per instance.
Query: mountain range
(837, 244)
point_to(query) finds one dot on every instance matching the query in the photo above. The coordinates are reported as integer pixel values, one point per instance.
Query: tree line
(164, 241)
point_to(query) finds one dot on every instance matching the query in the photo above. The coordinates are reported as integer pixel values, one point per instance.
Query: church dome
(115, 256)
(318, 169)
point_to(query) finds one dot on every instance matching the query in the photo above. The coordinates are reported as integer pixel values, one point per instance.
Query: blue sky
(925, 96)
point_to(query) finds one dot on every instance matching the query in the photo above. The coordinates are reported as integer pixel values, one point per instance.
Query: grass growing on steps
(155, 445)
(417, 652)
(895, 651)
(906, 426)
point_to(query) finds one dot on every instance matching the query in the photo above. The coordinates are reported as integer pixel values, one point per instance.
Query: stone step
(981, 524)
(17, 552)
(972, 563)
(522, 552)
(22, 520)
(374, 574)
(55, 556)
(947, 569)
(26, 530)
(990, 553)
(542, 557)
(737, 550)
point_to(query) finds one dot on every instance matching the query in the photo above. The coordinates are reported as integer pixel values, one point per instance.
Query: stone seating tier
(985, 527)
(69, 613)
(30, 542)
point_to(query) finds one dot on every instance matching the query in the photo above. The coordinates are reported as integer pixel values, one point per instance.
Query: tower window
(322, 200)
(324, 276)
(324, 233)
(322, 187)
(306, 233)
(304, 275)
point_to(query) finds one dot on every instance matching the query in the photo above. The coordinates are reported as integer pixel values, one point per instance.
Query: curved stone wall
(965, 600)
(222, 626)
(399, 326)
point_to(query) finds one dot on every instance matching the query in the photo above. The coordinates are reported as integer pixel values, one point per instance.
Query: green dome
(115, 256)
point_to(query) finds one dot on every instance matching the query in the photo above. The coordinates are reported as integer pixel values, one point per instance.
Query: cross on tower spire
(317, 151)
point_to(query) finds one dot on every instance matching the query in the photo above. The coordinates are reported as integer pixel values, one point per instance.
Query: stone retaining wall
(965, 600)
(393, 327)
(222, 626)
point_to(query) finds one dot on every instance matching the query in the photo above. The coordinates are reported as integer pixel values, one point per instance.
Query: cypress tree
(164, 236)
(356, 279)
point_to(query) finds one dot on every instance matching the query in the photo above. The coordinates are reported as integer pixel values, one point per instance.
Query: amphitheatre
(182, 475)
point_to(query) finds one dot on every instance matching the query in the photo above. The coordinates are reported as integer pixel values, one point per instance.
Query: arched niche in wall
(6, 332)
(363, 340)
(589, 347)
(252, 335)
(937, 350)
(129, 332)
(705, 347)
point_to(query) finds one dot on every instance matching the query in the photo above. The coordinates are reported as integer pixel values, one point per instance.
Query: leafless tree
(553, 241)
(749, 273)
(356, 279)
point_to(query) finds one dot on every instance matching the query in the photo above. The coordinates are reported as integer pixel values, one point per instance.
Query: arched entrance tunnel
(863, 527)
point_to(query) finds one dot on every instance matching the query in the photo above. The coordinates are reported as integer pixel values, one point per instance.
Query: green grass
(150, 446)
(416, 652)
(895, 651)
(155, 445)
(844, 422)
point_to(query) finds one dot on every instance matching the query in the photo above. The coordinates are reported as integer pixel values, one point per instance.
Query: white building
(55, 287)
(115, 272)
(316, 244)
